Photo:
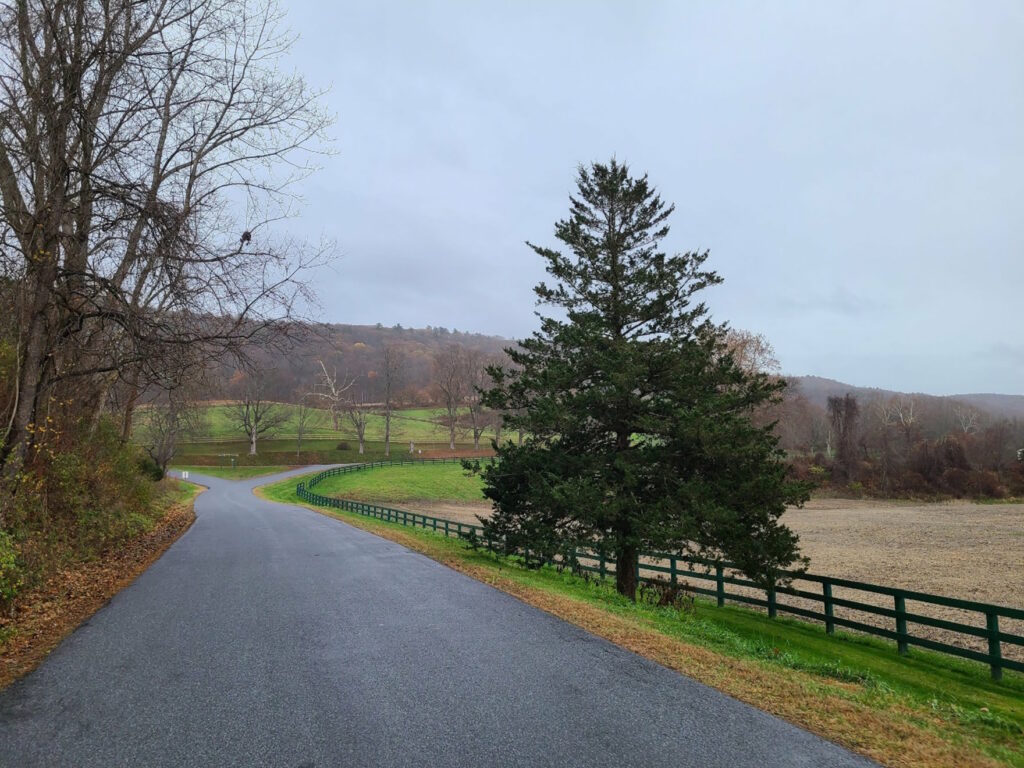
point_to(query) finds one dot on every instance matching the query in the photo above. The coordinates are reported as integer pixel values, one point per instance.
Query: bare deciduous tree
(751, 351)
(906, 413)
(843, 413)
(130, 130)
(474, 373)
(166, 423)
(333, 391)
(450, 379)
(393, 373)
(303, 416)
(256, 416)
(358, 411)
(967, 418)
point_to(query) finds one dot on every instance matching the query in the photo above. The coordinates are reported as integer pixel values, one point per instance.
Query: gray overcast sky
(857, 169)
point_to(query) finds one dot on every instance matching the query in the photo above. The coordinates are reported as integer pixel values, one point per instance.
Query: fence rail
(823, 601)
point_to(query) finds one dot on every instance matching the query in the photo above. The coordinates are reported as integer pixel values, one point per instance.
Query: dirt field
(958, 549)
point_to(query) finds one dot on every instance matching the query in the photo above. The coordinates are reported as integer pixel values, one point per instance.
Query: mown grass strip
(920, 710)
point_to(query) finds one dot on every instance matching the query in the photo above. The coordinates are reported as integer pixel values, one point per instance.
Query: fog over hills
(818, 389)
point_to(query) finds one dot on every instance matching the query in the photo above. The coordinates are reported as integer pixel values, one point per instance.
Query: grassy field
(395, 485)
(920, 710)
(217, 423)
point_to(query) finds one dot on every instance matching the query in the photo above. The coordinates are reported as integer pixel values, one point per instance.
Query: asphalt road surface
(270, 635)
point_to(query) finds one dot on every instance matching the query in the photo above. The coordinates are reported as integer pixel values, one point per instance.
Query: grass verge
(915, 711)
(234, 473)
(44, 616)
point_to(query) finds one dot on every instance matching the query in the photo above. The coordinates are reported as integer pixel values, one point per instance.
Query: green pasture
(218, 423)
(414, 482)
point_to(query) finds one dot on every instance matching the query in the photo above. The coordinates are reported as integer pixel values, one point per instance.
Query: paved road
(270, 635)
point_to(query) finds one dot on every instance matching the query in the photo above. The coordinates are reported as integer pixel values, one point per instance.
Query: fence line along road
(820, 605)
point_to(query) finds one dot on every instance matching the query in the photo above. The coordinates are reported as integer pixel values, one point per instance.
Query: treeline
(901, 445)
(356, 352)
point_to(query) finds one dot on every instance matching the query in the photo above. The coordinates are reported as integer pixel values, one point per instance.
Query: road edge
(71, 597)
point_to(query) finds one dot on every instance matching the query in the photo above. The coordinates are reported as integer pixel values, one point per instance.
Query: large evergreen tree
(638, 419)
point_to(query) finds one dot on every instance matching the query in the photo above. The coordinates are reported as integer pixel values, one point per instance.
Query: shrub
(342, 446)
(11, 575)
(985, 484)
(151, 469)
(73, 500)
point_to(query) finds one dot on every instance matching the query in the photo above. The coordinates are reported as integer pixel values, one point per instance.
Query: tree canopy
(637, 415)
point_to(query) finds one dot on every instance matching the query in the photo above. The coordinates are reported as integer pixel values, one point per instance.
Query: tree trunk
(387, 430)
(451, 437)
(19, 438)
(252, 443)
(476, 440)
(625, 572)
(520, 438)
(128, 417)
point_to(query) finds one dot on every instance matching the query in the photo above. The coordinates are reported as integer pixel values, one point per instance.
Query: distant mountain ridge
(817, 390)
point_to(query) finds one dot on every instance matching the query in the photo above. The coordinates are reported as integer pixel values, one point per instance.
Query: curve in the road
(270, 635)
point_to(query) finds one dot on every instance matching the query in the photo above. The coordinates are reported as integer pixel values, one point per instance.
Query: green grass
(921, 689)
(424, 482)
(232, 473)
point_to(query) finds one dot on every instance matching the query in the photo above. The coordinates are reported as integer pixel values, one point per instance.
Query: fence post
(826, 589)
(600, 567)
(672, 571)
(901, 625)
(772, 608)
(720, 584)
(995, 651)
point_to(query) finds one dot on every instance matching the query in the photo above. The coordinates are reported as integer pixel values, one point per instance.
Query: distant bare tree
(450, 379)
(967, 418)
(393, 373)
(474, 374)
(256, 416)
(303, 415)
(166, 423)
(907, 414)
(843, 414)
(358, 411)
(751, 351)
(333, 391)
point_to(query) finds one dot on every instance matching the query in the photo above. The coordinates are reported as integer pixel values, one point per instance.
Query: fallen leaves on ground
(46, 615)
